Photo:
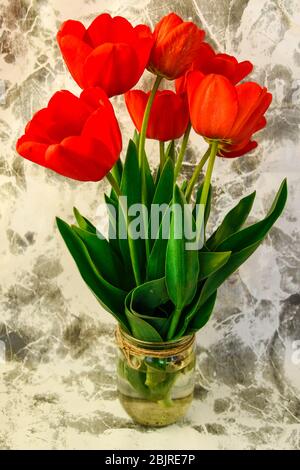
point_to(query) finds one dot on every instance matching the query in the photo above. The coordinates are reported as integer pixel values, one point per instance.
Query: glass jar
(155, 380)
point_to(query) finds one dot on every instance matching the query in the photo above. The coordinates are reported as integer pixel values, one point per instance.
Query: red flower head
(227, 113)
(110, 53)
(76, 137)
(223, 64)
(176, 46)
(169, 115)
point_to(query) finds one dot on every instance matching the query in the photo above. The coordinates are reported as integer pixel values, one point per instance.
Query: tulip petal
(143, 46)
(75, 52)
(235, 151)
(68, 111)
(222, 64)
(42, 128)
(136, 101)
(243, 69)
(213, 105)
(206, 54)
(102, 125)
(80, 159)
(253, 102)
(93, 96)
(193, 81)
(174, 54)
(106, 29)
(165, 25)
(33, 151)
(114, 67)
(73, 28)
(261, 124)
(169, 116)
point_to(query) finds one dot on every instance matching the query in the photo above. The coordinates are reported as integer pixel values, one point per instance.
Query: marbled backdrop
(57, 386)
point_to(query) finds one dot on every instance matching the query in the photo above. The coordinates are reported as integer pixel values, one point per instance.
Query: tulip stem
(210, 167)
(113, 183)
(142, 155)
(144, 127)
(195, 175)
(182, 151)
(161, 155)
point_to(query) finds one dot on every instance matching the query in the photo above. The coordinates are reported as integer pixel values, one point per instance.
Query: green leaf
(182, 265)
(243, 244)
(113, 229)
(170, 152)
(104, 257)
(150, 185)
(196, 316)
(157, 176)
(131, 178)
(112, 210)
(131, 188)
(84, 223)
(110, 297)
(140, 329)
(232, 222)
(208, 203)
(164, 190)
(256, 232)
(184, 186)
(216, 279)
(162, 197)
(210, 262)
(150, 295)
(202, 316)
(136, 138)
(157, 258)
(146, 298)
(117, 171)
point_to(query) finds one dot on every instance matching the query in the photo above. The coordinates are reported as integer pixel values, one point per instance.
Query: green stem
(134, 258)
(196, 174)
(141, 153)
(182, 151)
(206, 186)
(113, 182)
(144, 127)
(174, 323)
(161, 155)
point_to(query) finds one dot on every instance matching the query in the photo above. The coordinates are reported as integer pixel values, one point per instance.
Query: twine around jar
(130, 349)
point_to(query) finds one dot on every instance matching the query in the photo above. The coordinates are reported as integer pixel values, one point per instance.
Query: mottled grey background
(57, 386)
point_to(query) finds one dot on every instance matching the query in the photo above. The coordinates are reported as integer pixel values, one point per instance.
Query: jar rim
(157, 345)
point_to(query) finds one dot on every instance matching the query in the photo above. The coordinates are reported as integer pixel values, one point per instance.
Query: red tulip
(110, 53)
(227, 113)
(234, 151)
(76, 137)
(176, 45)
(169, 115)
(223, 64)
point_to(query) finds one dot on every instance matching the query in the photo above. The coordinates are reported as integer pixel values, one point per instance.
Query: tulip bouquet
(159, 286)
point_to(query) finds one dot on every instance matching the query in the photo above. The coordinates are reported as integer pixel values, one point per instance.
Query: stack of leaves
(176, 288)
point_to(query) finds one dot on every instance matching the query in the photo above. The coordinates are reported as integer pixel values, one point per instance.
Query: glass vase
(155, 380)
